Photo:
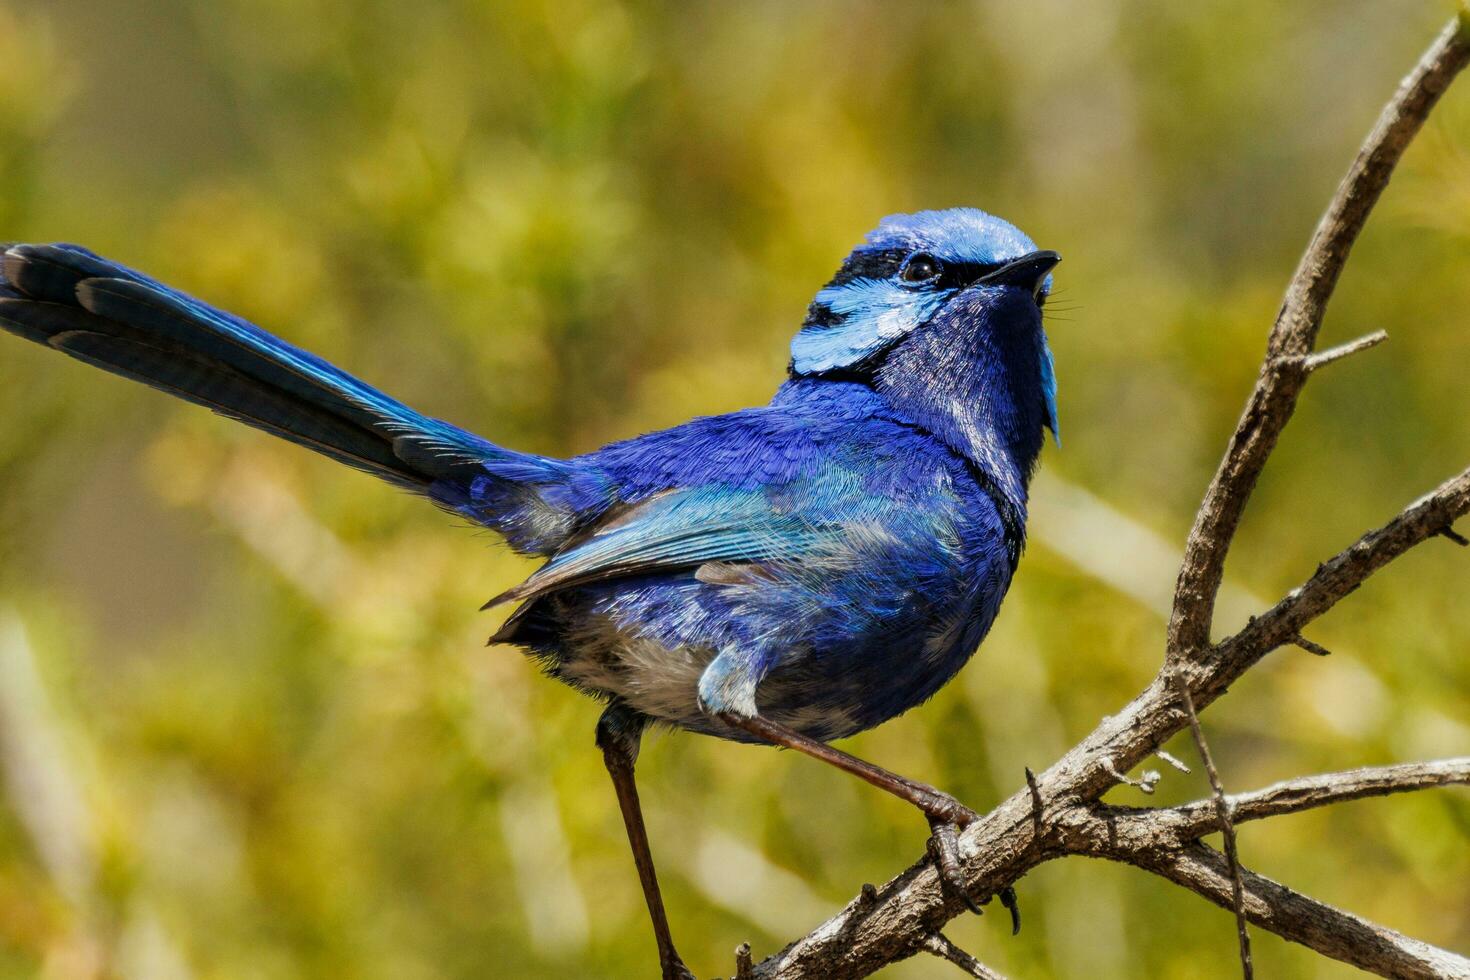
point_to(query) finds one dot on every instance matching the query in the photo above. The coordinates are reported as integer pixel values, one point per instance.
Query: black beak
(1027, 272)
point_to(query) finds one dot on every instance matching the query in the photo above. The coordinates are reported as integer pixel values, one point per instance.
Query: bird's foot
(944, 849)
(940, 807)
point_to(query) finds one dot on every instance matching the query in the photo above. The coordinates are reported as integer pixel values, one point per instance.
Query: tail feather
(114, 318)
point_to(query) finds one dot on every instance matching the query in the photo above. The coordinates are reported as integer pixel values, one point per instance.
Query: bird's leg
(945, 813)
(618, 733)
(936, 804)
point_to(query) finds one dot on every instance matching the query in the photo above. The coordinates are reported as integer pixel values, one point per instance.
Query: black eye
(921, 267)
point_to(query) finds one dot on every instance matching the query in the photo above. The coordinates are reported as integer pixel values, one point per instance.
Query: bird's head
(948, 301)
(963, 282)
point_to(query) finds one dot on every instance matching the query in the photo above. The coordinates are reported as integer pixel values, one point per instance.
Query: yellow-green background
(248, 725)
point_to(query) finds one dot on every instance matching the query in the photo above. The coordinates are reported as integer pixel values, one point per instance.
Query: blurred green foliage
(248, 725)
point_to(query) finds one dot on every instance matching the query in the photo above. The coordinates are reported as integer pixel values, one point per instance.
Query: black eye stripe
(870, 264)
(889, 263)
(885, 263)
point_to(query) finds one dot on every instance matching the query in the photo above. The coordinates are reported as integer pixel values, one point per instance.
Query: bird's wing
(680, 530)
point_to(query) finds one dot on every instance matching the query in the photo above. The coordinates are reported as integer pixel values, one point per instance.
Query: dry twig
(1227, 827)
(939, 945)
(1193, 820)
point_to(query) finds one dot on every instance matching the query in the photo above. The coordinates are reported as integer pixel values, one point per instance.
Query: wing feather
(673, 531)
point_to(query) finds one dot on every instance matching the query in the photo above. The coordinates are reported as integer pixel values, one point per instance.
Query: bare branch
(1171, 760)
(940, 945)
(1340, 575)
(1330, 931)
(1221, 807)
(1326, 357)
(1305, 793)
(1285, 372)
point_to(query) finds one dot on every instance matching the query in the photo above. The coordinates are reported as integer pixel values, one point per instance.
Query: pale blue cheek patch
(876, 314)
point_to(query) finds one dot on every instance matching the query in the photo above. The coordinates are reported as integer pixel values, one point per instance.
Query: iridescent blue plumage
(795, 572)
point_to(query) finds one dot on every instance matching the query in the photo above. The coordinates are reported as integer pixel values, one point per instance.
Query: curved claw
(944, 848)
(1007, 897)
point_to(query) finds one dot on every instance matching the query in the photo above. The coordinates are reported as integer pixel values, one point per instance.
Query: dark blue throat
(972, 378)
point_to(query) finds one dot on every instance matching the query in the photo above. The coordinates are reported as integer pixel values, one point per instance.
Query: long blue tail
(104, 314)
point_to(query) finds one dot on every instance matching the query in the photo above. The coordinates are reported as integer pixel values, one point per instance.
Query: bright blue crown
(955, 235)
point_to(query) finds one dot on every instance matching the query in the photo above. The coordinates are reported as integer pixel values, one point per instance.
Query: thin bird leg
(945, 813)
(935, 804)
(618, 733)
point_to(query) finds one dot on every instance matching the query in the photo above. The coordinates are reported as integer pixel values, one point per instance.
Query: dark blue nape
(787, 574)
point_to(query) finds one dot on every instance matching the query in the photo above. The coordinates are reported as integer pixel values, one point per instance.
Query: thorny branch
(1058, 812)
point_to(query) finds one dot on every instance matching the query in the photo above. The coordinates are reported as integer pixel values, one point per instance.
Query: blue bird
(788, 574)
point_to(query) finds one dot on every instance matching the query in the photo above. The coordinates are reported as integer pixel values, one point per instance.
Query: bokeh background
(248, 724)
